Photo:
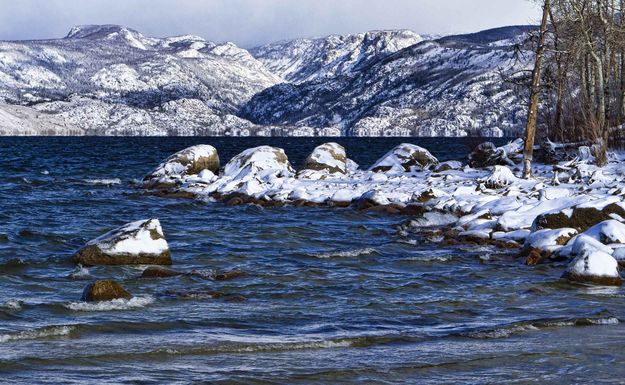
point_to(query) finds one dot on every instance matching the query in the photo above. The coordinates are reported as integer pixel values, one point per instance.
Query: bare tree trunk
(532, 115)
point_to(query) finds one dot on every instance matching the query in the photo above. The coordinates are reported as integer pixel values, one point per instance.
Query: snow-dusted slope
(112, 80)
(24, 121)
(308, 59)
(446, 87)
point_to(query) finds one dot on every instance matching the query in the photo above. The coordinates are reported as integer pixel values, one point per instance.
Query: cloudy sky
(254, 22)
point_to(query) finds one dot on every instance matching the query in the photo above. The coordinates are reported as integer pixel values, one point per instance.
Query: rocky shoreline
(572, 211)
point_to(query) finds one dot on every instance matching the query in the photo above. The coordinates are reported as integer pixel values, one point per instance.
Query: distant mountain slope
(112, 80)
(452, 86)
(308, 59)
(25, 121)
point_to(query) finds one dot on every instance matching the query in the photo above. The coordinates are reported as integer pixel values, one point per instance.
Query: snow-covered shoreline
(551, 217)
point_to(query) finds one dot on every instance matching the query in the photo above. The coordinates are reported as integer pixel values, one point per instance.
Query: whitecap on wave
(346, 253)
(116, 304)
(12, 304)
(48, 331)
(507, 331)
(103, 182)
(80, 272)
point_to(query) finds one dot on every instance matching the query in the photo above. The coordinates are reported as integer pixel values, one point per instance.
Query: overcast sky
(253, 22)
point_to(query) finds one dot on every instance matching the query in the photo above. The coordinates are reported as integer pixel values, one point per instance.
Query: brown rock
(228, 275)
(605, 281)
(159, 272)
(104, 290)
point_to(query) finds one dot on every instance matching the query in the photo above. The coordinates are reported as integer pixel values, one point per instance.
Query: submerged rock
(328, 157)
(404, 158)
(159, 272)
(228, 275)
(136, 243)
(104, 290)
(190, 161)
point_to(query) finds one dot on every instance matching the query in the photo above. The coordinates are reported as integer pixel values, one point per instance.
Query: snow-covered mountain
(328, 57)
(452, 86)
(112, 80)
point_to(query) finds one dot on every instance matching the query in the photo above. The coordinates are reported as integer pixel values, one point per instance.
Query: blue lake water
(331, 295)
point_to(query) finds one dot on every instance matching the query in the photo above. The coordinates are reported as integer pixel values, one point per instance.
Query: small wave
(80, 273)
(48, 331)
(432, 258)
(116, 304)
(325, 344)
(103, 182)
(12, 304)
(346, 253)
(526, 326)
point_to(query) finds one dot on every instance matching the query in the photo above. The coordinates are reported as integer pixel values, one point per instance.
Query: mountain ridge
(113, 80)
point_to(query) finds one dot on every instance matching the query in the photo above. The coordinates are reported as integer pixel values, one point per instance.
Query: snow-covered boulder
(448, 165)
(487, 154)
(104, 290)
(592, 264)
(606, 232)
(404, 158)
(548, 240)
(582, 216)
(190, 161)
(136, 243)
(501, 177)
(328, 157)
(261, 162)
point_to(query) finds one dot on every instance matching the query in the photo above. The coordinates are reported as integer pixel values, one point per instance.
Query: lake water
(331, 295)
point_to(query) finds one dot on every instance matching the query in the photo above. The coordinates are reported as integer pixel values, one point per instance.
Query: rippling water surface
(330, 295)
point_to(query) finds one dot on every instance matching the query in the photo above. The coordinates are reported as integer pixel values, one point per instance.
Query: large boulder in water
(190, 161)
(592, 264)
(259, 162)
(487, 154)
(328, 157)
(136, 243)
(104, 290)
(404, 158)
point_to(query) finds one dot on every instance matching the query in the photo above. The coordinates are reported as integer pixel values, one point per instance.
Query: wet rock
(190, 161)
(228, 275)
(328, 157)
(487, 154)
(104, 290)
(136, 243)
(405, 158)
(534, 257)
(159, 272)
